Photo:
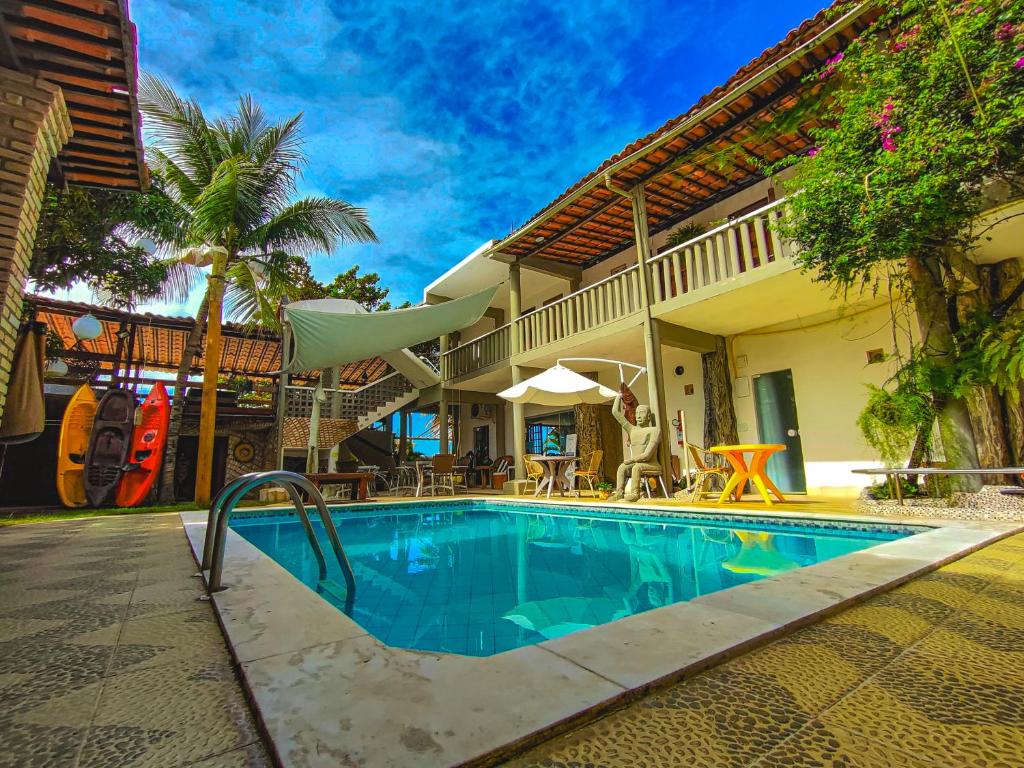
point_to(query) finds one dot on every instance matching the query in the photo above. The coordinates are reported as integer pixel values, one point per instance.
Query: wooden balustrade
(737, 247)
(477, 354)
(353, 403)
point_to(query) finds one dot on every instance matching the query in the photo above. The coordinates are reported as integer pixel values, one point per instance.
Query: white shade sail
(332, 332)
(558, 385)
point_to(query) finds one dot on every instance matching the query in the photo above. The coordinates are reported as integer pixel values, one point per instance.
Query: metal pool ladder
(232, 493)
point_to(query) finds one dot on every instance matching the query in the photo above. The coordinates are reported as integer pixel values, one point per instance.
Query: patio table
(555, 468)
(359, 482)
(754, 471)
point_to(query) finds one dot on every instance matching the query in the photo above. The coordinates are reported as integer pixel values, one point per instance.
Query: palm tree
(233, 179)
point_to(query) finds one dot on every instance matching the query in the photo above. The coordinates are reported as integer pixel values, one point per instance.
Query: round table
(555, 468)
(753, 471)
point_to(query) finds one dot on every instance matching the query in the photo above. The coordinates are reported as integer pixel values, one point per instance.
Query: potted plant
(604, 490)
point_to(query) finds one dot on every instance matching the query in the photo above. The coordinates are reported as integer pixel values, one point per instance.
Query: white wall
(830, 374)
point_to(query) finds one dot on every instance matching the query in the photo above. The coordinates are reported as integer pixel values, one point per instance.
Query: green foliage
(89, 235)
(1001, 353)
(365, 290)
(913, 131)
(684, 233)
(891, 421)
(884, 491)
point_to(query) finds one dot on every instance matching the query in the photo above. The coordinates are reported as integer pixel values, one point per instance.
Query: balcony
(732, 253)
(479, 354)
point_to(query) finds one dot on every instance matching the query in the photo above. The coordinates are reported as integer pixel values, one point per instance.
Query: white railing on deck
(732, 249)
(351, 403)
(737, 247)
(603, 302)
(491, 348)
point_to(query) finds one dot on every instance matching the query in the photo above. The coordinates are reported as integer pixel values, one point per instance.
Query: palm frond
(180, 127)
(313, 224)
(230, 203)
(181, 280)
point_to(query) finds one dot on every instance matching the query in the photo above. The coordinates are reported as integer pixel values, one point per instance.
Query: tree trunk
(984, 404)
(719, 412)
(937, 342)
(1008, 274)
(188, 355)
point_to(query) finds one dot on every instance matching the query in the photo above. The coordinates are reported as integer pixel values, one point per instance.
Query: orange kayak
(147, 449)
(75, 428)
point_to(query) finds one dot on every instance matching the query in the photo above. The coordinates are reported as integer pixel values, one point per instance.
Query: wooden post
(442, 405)
(652, 340)
(282, 395)
(208, 412)
(403, 435)
(518, 410)
(313, 444)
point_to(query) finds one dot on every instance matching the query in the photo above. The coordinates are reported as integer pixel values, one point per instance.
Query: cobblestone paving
(106, 657)
(929, 674)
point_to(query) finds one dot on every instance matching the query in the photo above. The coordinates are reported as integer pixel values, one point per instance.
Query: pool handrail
(223, 505)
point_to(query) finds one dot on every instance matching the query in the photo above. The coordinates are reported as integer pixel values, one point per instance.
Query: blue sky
(453, 122)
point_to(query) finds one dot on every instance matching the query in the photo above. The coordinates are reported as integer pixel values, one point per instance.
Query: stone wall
(34, 126)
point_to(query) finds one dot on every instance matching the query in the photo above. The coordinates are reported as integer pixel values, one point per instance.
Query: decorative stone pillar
(34, 125)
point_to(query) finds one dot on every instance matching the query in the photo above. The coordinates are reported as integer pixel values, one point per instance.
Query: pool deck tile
(676, 640)
(103, 662)
(358, 702)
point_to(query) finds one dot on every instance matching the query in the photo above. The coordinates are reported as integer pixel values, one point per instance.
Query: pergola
(89, 50)
(132, 342)
(716, 149)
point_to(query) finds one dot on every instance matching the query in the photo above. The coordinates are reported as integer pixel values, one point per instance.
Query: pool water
(478, 578)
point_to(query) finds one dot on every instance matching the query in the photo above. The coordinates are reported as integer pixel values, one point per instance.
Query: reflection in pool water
(480, 578)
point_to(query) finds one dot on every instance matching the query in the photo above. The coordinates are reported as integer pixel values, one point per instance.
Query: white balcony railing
(738, 247)
(603, 302)
(475, 355)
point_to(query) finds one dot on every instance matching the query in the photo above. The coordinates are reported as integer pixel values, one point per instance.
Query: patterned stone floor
(106, 657)
(929, 674)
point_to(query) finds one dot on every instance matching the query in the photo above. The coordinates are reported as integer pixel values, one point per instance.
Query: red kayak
(147, 448)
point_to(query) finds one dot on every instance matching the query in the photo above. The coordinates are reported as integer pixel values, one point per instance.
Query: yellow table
(754, 471)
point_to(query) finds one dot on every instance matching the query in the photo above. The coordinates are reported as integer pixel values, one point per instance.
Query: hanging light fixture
(87, 328)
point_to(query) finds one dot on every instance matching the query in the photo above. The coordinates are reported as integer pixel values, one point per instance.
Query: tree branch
(1000, 310)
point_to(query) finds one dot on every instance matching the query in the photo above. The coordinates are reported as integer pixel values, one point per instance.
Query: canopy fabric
(558, 385)
(332, 332)
(25, 411)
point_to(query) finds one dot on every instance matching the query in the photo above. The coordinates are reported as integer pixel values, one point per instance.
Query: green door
(777, 422)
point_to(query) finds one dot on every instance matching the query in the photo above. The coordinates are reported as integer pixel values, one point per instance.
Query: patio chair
(534, 474)
(653, 474)
(708, 467)
(441, 472)
(590, 469)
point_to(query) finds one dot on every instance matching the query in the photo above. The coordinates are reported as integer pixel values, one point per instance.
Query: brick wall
(34, 126)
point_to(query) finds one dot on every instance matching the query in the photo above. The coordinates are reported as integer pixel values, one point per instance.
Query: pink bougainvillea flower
(813, 151)
(887, 129)
(830, 65)
(1019, 63)
(1004, 31)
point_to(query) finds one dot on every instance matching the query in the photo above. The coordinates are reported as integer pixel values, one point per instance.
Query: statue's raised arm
(619, 413)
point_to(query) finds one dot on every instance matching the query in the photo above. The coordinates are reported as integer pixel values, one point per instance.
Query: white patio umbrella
(557, 385)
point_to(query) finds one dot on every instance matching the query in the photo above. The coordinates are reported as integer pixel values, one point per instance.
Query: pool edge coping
(309, 651)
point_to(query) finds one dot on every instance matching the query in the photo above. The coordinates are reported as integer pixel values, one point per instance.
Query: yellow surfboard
(72, 445)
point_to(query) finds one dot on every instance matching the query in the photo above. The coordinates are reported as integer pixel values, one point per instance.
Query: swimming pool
(477, 577)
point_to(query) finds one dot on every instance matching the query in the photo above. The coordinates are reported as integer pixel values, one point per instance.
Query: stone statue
(643, 438)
